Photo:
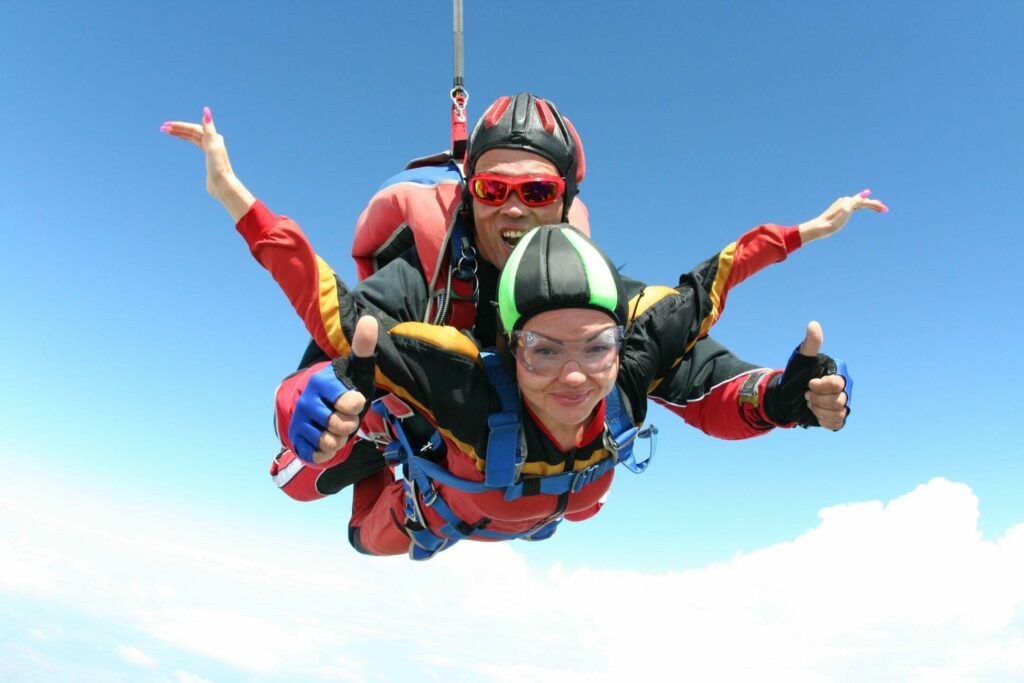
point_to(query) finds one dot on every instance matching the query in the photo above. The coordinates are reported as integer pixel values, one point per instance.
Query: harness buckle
(582, 478)
(622, 448)
(625, 439)
(430, 497)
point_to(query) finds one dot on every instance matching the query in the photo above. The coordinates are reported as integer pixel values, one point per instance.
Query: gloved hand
(331, 406)
(814, 390)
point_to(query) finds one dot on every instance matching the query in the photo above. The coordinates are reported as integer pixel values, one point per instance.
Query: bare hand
(221, 181)
(836, 216)
(348, 409)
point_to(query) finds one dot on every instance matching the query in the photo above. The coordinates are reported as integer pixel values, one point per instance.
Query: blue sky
(142, 345)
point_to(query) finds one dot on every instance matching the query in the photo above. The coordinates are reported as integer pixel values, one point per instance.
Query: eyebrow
(563, 341)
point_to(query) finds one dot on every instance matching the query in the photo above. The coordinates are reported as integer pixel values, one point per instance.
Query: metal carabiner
(460, 98)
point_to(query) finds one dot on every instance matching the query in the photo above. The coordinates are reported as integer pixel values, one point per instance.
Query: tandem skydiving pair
(504, 443)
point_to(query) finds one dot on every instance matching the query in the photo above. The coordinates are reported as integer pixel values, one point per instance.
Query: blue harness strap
(621, 434)
(504, 442)
(502, 469)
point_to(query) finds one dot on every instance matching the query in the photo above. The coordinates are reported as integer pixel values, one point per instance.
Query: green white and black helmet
(553, 267)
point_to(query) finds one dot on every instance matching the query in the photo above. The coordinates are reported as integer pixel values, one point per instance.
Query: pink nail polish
(164, 128)
(864, 193)
(207, 115)
(885, 209)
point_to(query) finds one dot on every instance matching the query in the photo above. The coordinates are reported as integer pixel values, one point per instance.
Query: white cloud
(135, 656)
(903, 591)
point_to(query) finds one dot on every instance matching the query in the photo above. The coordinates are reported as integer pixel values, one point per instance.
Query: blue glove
(312, 410)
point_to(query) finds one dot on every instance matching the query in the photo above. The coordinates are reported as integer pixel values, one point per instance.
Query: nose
(513, 206)
(572, 374)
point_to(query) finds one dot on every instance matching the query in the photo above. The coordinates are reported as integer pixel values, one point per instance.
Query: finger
(323, 456)
(812, 340)
(350, 403)
(208, 128)
(343, 424)
(305, 438)
(828, 385)
(329, 443)
(864, 193)
(364, 340)
(826, 402)
(189, 132)
(833, 425)
(872, 204)
(181, 127)
(829, 414)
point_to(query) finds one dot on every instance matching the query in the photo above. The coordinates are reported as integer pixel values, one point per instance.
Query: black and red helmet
(535, 125)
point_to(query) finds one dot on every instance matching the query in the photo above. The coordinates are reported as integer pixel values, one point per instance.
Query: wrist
(232, 194)
(812, 230)
(755, 395)
(773, 406)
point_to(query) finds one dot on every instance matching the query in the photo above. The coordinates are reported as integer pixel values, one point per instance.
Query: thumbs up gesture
(814, 390)
(330, 408)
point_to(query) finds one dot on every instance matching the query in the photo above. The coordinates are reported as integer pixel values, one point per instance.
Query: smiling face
(498, 228)
(565, 402)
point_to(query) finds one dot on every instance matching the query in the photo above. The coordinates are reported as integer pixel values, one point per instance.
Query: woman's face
(565, 401)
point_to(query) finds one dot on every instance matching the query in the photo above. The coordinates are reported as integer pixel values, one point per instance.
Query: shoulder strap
(504, 442)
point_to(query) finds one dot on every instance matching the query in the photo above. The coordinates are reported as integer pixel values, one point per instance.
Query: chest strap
(502, 472)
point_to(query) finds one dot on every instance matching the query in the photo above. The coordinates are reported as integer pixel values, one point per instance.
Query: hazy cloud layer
(903, 591)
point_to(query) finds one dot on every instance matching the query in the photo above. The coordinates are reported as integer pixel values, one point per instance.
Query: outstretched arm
(319, 297)
(665, 322)
(767, 244)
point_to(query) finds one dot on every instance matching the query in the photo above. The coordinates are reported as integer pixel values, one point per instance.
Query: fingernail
(864, 193)
(207, 115)
(885, 209)
(164, 128)
(807, 396)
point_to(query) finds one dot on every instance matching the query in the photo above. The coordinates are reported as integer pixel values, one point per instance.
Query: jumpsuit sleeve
(322, 300)
(665, 323)
(704, 390)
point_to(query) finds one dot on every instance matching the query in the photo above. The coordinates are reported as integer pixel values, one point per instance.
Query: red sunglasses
(536, 190)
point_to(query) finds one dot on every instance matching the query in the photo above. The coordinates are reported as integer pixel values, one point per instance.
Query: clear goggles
(546, 356)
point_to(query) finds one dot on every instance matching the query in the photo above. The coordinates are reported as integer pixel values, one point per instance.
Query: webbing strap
(425, 474)
(622, 433)
(504, 443)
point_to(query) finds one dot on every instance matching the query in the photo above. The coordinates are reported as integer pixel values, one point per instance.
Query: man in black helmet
(527, 139)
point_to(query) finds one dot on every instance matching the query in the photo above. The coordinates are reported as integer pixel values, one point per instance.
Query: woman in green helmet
(582, 358)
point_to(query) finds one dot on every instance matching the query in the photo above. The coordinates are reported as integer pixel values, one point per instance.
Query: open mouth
(512, 237)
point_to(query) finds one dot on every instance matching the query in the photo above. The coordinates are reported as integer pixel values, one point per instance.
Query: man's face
(498, 228)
